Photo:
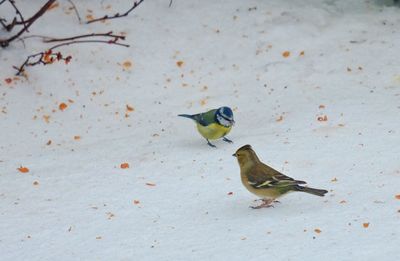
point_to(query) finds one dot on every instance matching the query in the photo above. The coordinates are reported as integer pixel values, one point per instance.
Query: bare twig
(49, 57)
(22, 41)
(47, 39)
(15, 22)
(109, 34)
(114, 41)
(3, 23)
(76, 11)
(170, 3)
(11, 25)
(43, 58)
(117, 15)
(27, 24)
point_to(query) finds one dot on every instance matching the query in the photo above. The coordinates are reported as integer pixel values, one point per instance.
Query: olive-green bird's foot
(227, 140)
(267, 203)
(274, 201)
(210, 144)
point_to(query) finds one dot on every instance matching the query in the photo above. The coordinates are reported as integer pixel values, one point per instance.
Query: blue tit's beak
(234, 154)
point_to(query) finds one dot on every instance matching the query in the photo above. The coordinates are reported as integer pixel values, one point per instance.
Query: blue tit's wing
(205, 118)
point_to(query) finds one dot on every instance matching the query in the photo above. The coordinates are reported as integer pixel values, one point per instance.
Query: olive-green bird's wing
(263, 176)
(205, 118)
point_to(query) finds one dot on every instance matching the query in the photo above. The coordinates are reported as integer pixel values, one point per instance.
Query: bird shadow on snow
(202, 145)
(286, 208)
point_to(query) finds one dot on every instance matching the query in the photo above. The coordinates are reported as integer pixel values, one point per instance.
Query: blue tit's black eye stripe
(227, 119)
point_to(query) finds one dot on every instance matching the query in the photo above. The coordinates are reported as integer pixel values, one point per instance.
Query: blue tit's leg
(227, 140)
(210, 144)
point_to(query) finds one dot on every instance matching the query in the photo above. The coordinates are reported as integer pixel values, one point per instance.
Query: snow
(83, 205)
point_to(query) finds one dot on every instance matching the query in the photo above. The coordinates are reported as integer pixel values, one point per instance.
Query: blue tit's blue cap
(226, 112)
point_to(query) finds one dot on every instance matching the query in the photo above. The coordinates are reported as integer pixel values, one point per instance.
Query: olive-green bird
(266, 182)
(213, 124)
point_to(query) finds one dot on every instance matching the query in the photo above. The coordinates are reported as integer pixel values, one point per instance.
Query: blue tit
(213, 124)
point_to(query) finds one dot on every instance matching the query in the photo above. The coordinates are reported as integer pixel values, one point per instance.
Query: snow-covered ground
(281, 65)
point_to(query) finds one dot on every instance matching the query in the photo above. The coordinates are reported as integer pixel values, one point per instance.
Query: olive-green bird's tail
(317, 192)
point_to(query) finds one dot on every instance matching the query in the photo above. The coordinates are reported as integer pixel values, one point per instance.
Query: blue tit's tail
(187, 116)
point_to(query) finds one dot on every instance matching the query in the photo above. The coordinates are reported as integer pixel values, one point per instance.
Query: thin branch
(47, 39)
(22, 41)
(33, 18)
(3, 23)
(29, 22)
(49, 57)
(76, 11)
(117, 15)
(11, 25)
(15, 22)
(109, 34)
(89, 41)
(2, 1)
(44, 58)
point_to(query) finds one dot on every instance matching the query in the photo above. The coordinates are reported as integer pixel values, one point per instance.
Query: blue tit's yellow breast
(213, 131)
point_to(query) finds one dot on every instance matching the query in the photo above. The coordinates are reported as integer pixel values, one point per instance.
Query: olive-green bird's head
(246, 154)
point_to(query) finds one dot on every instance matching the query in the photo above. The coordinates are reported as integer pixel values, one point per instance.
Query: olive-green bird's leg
(210, 144)
(275, 201)
(267, 203)
(227, 140)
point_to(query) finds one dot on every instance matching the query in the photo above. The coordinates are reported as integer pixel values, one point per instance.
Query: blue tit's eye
(227, 113)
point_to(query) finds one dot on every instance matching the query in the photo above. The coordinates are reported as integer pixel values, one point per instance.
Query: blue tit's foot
(227, 140)
(267, 203)
(277, 201)
(210, 144)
